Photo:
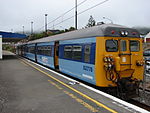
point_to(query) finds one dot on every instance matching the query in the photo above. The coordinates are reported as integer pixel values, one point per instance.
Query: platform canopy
(12, 37)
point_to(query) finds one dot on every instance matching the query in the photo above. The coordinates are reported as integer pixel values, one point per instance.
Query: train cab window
(111, 45)
(134, 46)
(77, 52)
(87, 50)
(123, 45)
(68, 52)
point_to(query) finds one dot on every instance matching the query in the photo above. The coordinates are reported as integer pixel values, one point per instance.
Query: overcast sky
(14, 14)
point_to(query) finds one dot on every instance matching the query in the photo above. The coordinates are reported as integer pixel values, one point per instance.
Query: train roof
(95, 31)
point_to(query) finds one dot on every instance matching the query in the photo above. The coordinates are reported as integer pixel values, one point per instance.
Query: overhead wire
(62, 14)
(80, 12)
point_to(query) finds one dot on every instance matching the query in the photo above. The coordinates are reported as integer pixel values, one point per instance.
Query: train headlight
(105, 59)
(108, 66)
(108, 59)
(124, 33)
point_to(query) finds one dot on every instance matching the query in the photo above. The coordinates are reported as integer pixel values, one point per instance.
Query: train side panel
(45, 54)
(75, 60)
(30, 53)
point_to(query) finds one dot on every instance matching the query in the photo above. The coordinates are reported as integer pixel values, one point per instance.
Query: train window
(123, 45)
(87, 50)
(26, 49)
(77, 52)
(31, 50)
(39, 50)
(134, 45)
(111, 45)
(45, 50)
(68, 52)
(49, 49)
(42, 50)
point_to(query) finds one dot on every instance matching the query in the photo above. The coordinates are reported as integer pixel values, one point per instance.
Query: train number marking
(88, 68)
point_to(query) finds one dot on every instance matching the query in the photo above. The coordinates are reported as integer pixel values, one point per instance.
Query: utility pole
(76, 27)
(31, 28)
(46, 23)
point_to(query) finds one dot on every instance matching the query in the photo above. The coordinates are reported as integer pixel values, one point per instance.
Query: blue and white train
(107, 56)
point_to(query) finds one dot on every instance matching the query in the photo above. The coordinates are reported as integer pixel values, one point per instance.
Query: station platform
(26, 87)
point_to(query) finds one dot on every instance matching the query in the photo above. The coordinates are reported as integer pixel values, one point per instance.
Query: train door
(56, 55)
(126, 58)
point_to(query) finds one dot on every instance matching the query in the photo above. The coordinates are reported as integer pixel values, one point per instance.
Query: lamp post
(31, 28)
(76, 27)
(12, 30)
(23, 29)
(46, 23)
(108, 19)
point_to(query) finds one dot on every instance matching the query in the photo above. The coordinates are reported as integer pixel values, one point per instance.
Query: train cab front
(123, 63)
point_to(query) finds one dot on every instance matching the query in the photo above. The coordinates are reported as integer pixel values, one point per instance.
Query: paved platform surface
(28, 88)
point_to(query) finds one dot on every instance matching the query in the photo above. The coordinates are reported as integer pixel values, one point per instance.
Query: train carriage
(106, 55)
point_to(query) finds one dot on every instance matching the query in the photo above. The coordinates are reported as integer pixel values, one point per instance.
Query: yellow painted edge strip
(24, 63)
(85, 96)
(86, 105)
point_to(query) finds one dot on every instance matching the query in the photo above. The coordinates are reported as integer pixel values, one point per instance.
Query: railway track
(142, 101)
(139, 104)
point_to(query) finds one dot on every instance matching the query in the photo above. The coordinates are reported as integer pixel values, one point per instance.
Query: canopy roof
(12, 37)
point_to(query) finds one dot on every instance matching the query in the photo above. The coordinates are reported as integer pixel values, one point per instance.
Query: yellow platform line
(80, 93)
(24, 63)
(86, 105)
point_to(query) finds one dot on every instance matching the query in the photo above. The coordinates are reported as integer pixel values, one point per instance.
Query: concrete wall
(1, 54)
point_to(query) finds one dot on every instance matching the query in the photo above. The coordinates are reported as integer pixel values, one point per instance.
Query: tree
(91, 22)
(72, 29)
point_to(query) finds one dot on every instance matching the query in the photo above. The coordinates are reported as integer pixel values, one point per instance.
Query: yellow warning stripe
(85, 96)
(91, 108)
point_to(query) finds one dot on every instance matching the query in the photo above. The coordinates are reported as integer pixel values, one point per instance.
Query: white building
(147, 38)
